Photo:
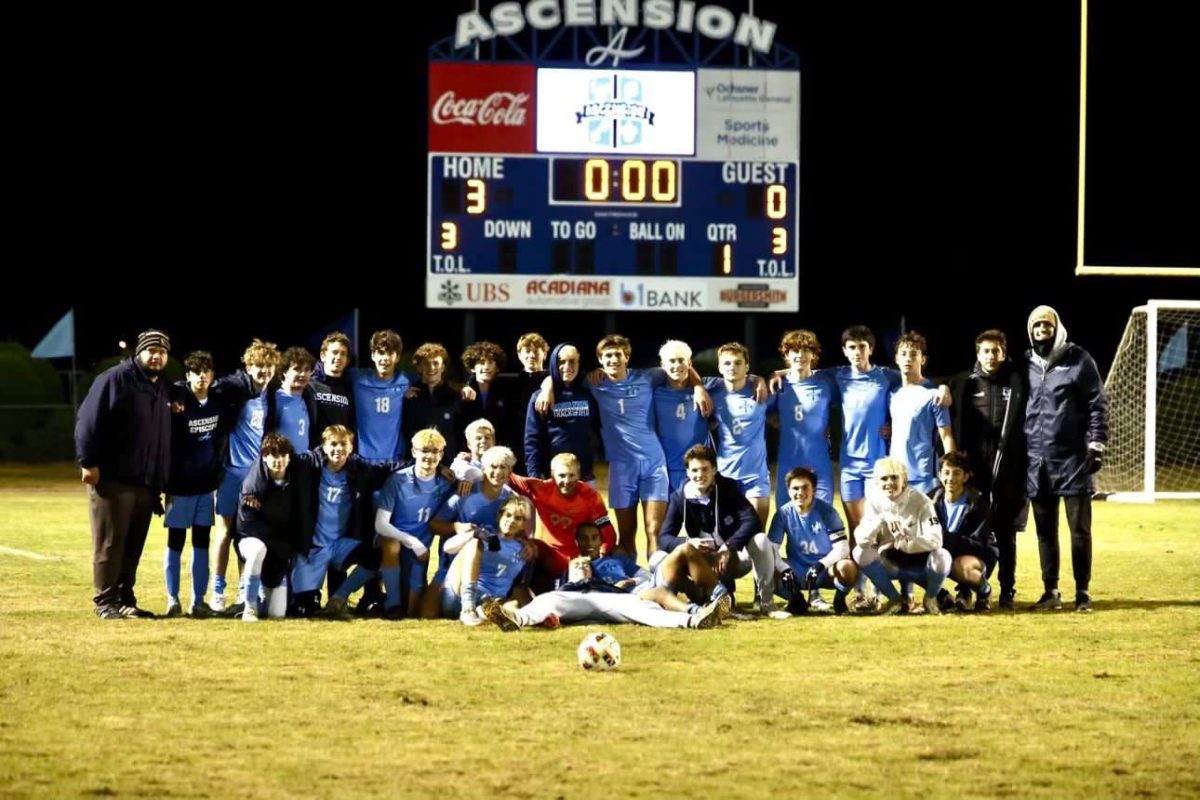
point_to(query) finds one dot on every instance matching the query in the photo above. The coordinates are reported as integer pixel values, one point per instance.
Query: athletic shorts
(308, 571)
(637, 479)
(230, 492)
(855, 474)
(755, 485)
(189, 510)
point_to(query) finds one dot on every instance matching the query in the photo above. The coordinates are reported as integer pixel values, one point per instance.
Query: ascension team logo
(615, 113)
(450, 293)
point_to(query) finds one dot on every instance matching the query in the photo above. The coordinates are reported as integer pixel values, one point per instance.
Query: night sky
(258, 175)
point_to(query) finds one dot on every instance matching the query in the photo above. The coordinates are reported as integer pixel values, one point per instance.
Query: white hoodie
(910, 523)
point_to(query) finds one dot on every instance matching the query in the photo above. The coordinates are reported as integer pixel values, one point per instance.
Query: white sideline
(12, 551)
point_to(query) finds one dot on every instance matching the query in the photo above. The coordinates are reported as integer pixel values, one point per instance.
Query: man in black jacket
(123, 445)
(989, 427)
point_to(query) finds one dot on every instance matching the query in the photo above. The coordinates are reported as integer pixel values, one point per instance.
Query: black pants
(1007, 516)
(1079, 521)
(120, 517)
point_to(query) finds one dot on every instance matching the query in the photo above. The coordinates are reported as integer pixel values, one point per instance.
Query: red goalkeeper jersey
(560, 516)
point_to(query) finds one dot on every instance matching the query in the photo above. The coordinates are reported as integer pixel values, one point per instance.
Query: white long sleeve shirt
(910, 523)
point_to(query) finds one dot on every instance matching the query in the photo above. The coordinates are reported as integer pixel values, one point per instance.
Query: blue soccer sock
(719, 591)
(878, 575)
(933, 581)
(354, 581)
(468, 595)
(199, 574)
(253, 587)
(219, 584)
(391, 585)
(171, 561)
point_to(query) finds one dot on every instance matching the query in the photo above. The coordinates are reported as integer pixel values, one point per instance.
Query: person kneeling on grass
(900, 538)
(268, 527)
(818, 554)
(965, 516)
(488, 566)
(605, 589)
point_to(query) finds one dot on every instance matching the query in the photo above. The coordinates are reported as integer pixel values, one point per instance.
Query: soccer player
(915, 414)
(900, 538)
(192, 484)
(963, 512)
(989, 425)
(1066, 428)
(741, 427)
(331, 383)
(803, 404)
(379, 400)
(818, 553)
(242, 397)
(463, 516)
(268, 529)
(292, 400)
(488, 570)
(570, 423)
(711, 513)
(434, 403)
(563, 503)
(336, 517)
(406, 505)
(679, 424)
(600, 590)
(494, 395)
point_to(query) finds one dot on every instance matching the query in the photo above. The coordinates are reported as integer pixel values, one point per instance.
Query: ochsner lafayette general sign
(686, 16)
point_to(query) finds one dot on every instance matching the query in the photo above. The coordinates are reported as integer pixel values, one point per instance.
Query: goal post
(1153, 393)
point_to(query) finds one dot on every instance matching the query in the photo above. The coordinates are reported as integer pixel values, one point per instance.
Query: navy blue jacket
(1067, 410)
(197, 443)
(989, 425)
(728, 517)
(975, 529)
(281, 516)
(335, 402)
(440, 408)
(568, 428)
(363, 478)
(124, 428)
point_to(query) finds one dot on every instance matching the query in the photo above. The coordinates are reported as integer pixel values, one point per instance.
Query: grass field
(1015, 705)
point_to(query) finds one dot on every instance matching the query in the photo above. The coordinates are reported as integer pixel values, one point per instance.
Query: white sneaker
(249, 614)
(779, 613)
(218, 603)
(818, 603)
(470, 619)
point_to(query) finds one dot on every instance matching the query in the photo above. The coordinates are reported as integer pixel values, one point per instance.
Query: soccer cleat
(551, 622)
(234, 610)
(218, 603)
(931, 606)
(779, 613)
(707, 617)
(109, 612)
(1083, 603)
(962, 599)
(393, 614)
(335, 608)
(798, 604)
(369, 608)
(983, 603)
(1008, 600)
(249, 614)
(788, 583)
(861, 602)
(724, 607)
(504, 618)
(816, 602)
(173, 608)
(470, 619)
(200, 611)
(893, 606)
(839, 604)
(1051, 600)
(906, 604)
(133, 612)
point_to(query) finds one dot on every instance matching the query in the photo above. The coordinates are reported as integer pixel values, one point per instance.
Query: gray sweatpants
(600, 607)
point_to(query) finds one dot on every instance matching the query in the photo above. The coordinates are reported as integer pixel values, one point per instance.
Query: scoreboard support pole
(468, 328)
(610, 322)
(750, 333)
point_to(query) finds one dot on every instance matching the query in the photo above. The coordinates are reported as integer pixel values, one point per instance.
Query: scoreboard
(612, 189)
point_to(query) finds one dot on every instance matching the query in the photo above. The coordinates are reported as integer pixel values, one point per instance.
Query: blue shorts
(189, 510)
(855, 474)
(637, 479)
(308, 572)
(413, 573)
(677, 478)
(755, 485)
(230, 492)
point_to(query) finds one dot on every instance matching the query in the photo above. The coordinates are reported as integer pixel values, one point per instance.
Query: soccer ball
(598, 652)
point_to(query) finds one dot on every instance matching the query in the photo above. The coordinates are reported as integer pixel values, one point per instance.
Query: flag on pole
(347, 324)
(60, 341)
(1175, 354)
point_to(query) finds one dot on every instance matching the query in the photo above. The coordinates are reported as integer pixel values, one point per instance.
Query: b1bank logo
(638, 295)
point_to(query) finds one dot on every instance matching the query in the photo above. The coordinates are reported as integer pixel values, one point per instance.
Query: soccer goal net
(1154, 405)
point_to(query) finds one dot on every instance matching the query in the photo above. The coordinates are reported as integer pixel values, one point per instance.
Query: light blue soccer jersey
(627, 416)
(955, 512)
(864, 397)
(915, 419)
(810, 536)
(245, 443)
(679, 427)
(379, 405)
(803, 406)
(475, 508)
(333, 507)
(499, 568)
(413, 502)
(293, 419)
(741, 431)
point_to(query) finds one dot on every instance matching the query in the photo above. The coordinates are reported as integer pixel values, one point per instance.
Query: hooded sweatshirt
(567, 428)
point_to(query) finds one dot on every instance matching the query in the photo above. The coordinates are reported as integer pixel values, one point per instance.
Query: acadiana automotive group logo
(615, 113)
(450, 293)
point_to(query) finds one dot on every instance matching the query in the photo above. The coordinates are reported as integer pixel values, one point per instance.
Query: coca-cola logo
(498, 108)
